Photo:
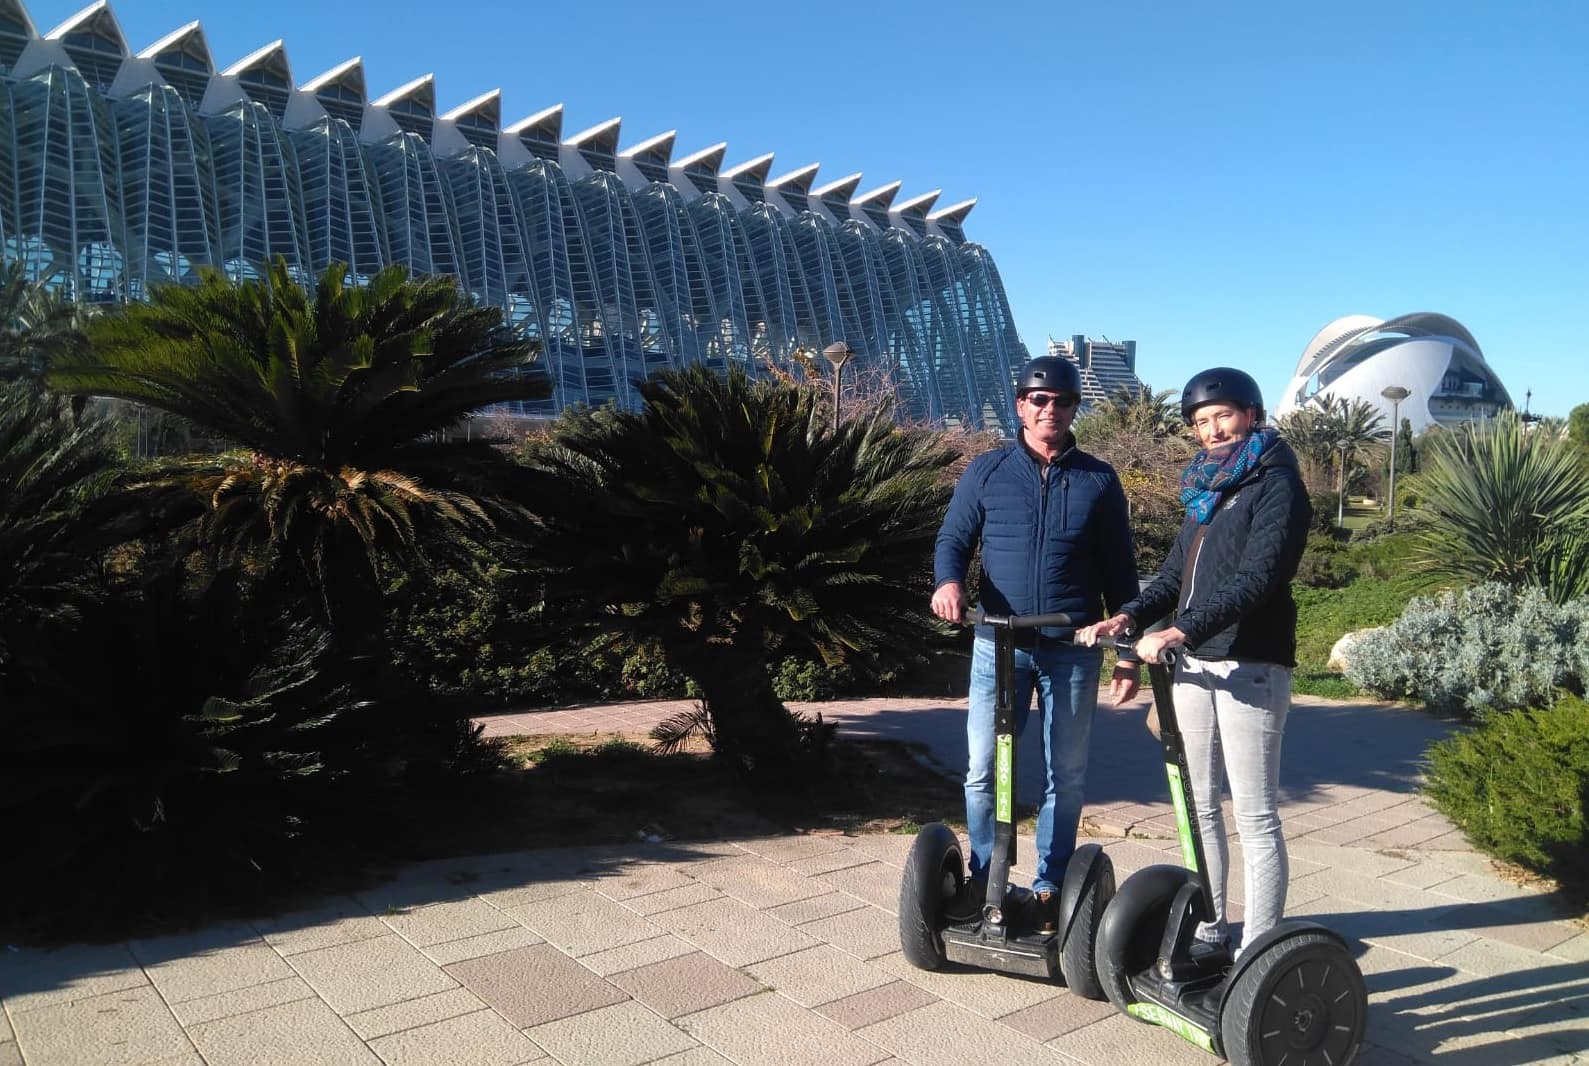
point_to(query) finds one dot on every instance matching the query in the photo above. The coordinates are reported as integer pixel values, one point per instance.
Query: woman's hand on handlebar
(949, 602)
(1152, 644)
(1087, 636)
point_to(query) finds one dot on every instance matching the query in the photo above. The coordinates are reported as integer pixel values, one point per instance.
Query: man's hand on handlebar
(949, 602)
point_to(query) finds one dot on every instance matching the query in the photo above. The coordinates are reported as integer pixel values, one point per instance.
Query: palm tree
(64, 500)
(731, 524)
(1137, 410)
(335, 402)
(1513, 507)
(36, 324)
(1331, 432)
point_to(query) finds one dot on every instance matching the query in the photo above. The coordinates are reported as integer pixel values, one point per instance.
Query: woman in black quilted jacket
(1228, 583)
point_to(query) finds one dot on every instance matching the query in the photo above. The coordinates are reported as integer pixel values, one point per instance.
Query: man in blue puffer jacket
(1053, 527)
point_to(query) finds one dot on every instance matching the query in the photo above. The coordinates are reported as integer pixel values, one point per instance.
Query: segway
(1295, 997)
(944, 916)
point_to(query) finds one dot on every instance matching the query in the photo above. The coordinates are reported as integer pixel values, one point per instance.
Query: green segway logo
(1154, 1014)
(1183, 824)
(1003, 777)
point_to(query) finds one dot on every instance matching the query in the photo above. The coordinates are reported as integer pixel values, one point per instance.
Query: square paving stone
(1057, 1016)
(338, 921)
(584, 922)
(114, 1029)
(9, 1055)
(733, 932)
(453, 920)
(809, 910)
(876, 1004)
(876, 882)
(672, 899)
(478, 1039)
(625, 1034)
(216, 959)
(450, 951)
(943, 1034)
(867, 932)
(1119, 1039)
(536, 984)
(412, 1013)
(992, 995)
(818, 975)
(633, 956)
(685, 984)
(370, 973)
(757, 881)
(305, 1033)
(35, 977)
(242, 1000)
(771, 1030)
(641, 879)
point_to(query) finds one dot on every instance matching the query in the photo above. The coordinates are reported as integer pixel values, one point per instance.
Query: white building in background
(1430, 355)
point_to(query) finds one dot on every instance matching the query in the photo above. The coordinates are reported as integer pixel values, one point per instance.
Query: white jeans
(1232, 715)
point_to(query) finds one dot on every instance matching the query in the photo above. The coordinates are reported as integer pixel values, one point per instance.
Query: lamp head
(1394, 393)
(838, 353)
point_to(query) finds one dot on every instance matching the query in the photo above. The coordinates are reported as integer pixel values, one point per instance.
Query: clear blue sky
(1216, 181)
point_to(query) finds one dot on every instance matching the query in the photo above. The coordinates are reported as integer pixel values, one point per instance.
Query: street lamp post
(838, 353)
(1395, 394)
(1340, 485)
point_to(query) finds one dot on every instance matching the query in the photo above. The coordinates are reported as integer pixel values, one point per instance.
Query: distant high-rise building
(120, 170)
(1106, 367)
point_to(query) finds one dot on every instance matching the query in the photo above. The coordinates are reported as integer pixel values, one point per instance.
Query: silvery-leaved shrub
(1487, 648)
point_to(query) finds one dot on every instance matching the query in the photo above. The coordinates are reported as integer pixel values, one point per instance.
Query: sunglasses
(1043, 399)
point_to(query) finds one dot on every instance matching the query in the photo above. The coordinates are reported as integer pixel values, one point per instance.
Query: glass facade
(120, 171)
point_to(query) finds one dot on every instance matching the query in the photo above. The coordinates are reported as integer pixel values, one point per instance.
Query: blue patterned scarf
(1213, 471)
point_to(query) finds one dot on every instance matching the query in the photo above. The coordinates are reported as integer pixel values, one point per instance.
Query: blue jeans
(1066, 680)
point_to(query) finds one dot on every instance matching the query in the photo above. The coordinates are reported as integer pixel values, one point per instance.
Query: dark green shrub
(1325, 505)
(807, 680)
(1517, 786)
(1325, 563)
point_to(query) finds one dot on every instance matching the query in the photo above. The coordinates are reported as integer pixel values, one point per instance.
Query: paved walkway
(783, 951)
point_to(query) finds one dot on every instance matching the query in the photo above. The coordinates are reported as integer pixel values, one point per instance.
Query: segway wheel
(934, 875)
(1089, 886)
(1132, 928)
(1303, 995)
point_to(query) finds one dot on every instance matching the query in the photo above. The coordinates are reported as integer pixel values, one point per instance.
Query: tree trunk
(753, 731)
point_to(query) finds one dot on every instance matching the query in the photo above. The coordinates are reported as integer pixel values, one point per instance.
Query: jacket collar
(1065, 453)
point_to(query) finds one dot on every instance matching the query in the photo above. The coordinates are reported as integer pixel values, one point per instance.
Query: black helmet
(1050, 372)
(1221, 384)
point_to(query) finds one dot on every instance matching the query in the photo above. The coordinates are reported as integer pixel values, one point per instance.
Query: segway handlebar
(980, 617)
(1127, 642)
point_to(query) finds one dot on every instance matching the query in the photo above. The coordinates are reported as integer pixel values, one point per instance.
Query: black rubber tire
(1092, 873)
(934, 874)
(1302, 994)
(1132, 928)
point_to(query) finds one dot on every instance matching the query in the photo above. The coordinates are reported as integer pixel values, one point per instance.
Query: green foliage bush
(1518, 787)
(1325, 506)
(1325, 563)
(808, 680)
(1488, 648)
